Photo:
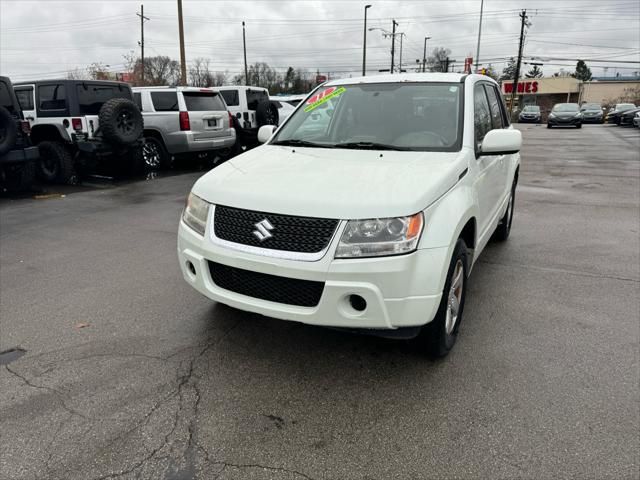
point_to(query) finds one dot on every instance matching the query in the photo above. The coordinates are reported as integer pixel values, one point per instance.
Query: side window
(25, 98)
(137, 99)
(52, 97)
(494, 106)
(165, 101)
(482, 114)
(503, 109)
(230, 97)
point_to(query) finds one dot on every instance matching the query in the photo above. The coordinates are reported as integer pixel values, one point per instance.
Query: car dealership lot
(130, 373)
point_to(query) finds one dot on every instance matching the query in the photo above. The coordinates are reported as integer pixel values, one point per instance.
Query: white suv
(182, 120)
(372, 222)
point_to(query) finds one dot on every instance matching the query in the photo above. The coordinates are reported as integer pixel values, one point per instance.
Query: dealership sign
(523, 87)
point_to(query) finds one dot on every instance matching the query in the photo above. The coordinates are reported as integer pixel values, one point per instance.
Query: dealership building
(546, 92)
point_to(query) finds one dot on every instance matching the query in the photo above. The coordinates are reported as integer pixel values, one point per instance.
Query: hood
(565, 114)
(320, 182)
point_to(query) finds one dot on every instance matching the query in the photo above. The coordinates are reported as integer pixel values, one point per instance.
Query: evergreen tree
(582, 71)
(535, 72)
(509, 70)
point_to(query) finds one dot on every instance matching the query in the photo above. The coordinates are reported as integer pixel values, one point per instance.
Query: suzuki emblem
(263, 230)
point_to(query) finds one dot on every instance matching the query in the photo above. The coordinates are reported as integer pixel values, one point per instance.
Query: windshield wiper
(369, 146)
(299, 143)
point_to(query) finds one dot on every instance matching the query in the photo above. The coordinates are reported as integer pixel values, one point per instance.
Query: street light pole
(400, 62)
(364, 43)
(479, 32)
(183, 62)
(424, 55)
(393, 42)
(244, 48)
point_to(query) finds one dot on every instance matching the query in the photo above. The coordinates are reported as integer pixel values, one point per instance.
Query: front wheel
(579, 125)
(437, 338)
(504, 227)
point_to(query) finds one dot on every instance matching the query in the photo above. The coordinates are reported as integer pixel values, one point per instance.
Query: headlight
(552, 115)
(380, 236)
(195, 213)
(577, 115)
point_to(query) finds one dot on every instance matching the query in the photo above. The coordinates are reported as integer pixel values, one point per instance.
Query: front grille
(290, 233)
(290, 291)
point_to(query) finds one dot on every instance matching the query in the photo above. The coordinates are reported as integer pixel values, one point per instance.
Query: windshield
(566, 107)
(591, 106)
(532, 108)
(623, 107)
(393, 116)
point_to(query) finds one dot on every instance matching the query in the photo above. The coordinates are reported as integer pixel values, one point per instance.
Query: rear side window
(6, 98)
(91, 96)
(25, 98)
(52, 97)
(203, 102)
(254, 97)
(231, 97)
(165, 101)
(137, 98)
(494, 106)
(482, 114)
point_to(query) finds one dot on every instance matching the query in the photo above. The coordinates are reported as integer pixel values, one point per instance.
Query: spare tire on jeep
(8, 131)
(266, 113)
(120, 121)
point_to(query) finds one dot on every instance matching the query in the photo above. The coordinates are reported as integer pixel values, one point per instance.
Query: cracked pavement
(164, 384)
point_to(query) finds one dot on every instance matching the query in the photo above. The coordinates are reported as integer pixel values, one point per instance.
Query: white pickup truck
(369, 216)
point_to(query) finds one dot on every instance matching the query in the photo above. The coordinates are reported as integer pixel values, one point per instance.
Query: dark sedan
(565, 114)
(614, 114)
(592, 113)
(626, 119)
(530, 113)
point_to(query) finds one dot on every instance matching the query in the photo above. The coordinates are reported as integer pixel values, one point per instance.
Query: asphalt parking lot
(129, 373)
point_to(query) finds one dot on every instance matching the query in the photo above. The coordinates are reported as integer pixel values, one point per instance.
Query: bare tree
(199, 73)
(438, 59)
(76, 74)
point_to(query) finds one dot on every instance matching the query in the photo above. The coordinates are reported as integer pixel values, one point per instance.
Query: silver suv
(182, 120)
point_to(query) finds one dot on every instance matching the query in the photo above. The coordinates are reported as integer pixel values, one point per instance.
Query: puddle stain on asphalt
(11, 355)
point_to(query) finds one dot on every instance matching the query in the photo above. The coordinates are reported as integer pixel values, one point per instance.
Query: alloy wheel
(151, 154)
(454, 297)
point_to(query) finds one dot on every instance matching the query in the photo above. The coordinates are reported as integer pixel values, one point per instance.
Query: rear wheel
(20, 177)
(579, 125)
(437, 338)
(56, 163)
(154, 154)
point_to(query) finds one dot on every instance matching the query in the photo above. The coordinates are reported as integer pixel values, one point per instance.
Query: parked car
(182, 121)
(626, 118)
(17, 155)
(565, 114)
(251, 109)
(592, 113)
(78, 121)
(530, 114)
(636, 120)
(613, 116)
(366, 224)
(284, 109)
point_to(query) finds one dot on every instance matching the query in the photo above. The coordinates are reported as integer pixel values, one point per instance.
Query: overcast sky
(45, 39)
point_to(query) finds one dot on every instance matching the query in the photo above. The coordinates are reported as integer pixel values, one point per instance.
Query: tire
(56, 164)
(20, 177)
(154, 154)
(266, 114)
(8, 131)
(503, 229)
(121, 122)
(437, 338)
(579, 125)
(548, 125)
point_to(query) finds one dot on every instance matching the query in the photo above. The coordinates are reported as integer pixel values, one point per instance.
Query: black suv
(79, 122)
(17, 155)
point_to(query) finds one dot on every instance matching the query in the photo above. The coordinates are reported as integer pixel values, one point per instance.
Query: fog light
(357, 303)
(191, 268)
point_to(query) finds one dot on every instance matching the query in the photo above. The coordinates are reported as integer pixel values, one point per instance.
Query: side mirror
(265, 132)
(501, 142)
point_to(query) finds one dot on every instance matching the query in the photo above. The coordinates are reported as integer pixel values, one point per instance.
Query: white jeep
(74, 121)
(371, 221)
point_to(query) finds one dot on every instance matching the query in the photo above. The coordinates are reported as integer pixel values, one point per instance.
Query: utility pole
(479, 31)
(393, 42)
(424, 55)
(364, 43)
(516, 75)
(141, 42)
(244, 47)
(183, 61)
(400, 62)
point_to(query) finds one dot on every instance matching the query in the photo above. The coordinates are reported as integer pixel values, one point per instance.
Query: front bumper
(564, 121)
(592, 119)
(529, 119)
(400, 291)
